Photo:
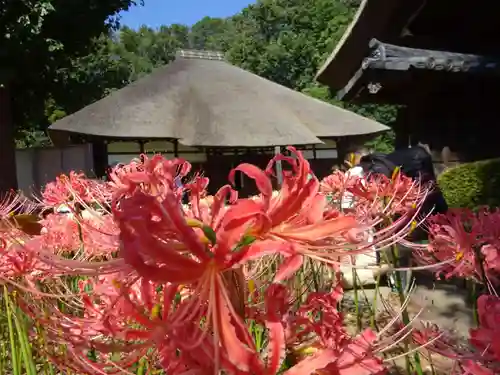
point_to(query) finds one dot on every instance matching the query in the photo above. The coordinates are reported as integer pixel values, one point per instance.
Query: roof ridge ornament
(200, 54)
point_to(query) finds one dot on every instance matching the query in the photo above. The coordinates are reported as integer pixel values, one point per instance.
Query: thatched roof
(208, 102)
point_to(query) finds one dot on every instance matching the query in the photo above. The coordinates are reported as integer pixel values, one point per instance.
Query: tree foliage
(44, 49)
(42, 43)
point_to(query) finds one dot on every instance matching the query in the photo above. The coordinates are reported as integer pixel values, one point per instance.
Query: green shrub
(472, 185)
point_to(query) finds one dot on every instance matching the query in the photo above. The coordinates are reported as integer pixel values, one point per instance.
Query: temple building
(437, 60)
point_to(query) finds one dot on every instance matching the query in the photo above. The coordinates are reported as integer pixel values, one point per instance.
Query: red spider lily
(462, 243)
(336, 352)
(377, 194)
(314, 338)
(17, 223)
(109, 319)
(390, 205)
(16, 213)
(452, 245)
(162, 245)
(291, 222)
(88, 237)
(154, 228)
(16, 261)
(155, 176)
(13, 203)
(337, 183)
(70, 188)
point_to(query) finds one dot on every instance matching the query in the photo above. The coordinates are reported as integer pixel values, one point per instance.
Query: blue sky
(165, 12)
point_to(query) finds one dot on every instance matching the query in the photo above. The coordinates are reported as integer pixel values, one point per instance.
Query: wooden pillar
(176, 148)
(100, 157)
(402, 129)
(8, 180)
(342, 149)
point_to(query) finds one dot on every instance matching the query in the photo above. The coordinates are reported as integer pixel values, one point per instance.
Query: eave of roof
(390, 57)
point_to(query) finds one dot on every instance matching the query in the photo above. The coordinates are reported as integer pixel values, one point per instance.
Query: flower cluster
(132, 273)
(464, 244)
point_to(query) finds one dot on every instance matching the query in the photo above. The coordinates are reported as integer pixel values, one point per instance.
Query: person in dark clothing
(416, 163)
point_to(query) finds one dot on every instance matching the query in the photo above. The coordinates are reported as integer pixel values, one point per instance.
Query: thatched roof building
(201, 100)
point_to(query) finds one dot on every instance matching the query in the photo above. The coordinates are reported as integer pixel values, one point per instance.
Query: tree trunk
(8, 174)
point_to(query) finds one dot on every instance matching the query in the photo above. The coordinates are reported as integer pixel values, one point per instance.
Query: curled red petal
(291, 265)
(258, 175)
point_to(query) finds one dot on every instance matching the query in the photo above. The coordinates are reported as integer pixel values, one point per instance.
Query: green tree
(286, 41)
(39, 43)
(211, 34)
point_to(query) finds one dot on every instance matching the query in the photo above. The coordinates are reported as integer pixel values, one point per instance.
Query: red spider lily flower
(483, 357)
(464, 244)
(16, 261)
(389, 196)
(110, 323)
(17, 225)
(435, 340)
(75, 187)
(314, 337)
(452, 244)
(16, 213)
(487, 337)
(374, 195)
(210, 210)
(155, 175)
(291, 222)
(15, 203)
(373, 200)
(165, 247)
(353, 358)
(90, 236)
(337, 183)
(487, 223)
(337, 352)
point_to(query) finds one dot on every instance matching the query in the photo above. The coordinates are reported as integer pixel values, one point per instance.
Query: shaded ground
(447, 304)
(444, 303)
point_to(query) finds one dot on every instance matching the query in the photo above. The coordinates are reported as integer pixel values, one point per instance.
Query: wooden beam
(8, 180)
